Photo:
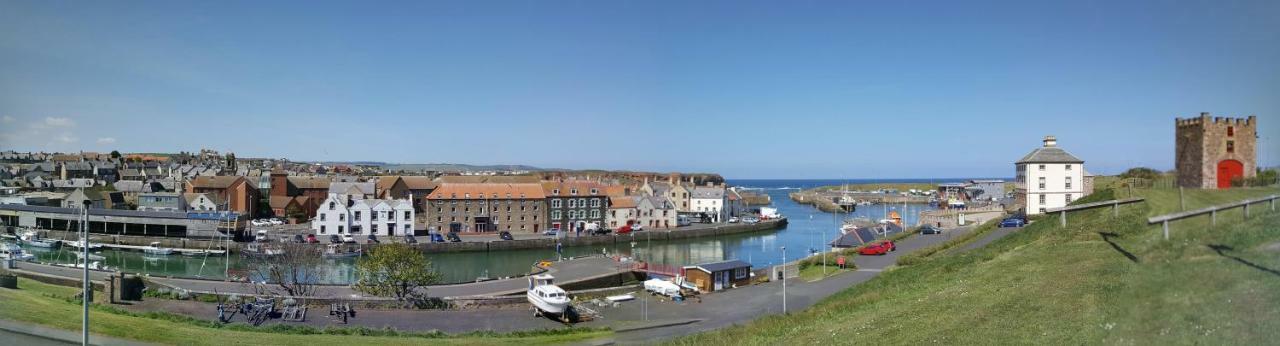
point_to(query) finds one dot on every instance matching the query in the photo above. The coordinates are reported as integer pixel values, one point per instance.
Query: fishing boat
(79, 244)
(13, 252)
(546, 297)
(259, 249)
(155, 249)
(92, 257)
(338, 251)
(32, 238)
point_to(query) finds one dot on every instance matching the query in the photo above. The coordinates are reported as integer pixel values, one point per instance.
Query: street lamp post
(84, 245)
(784, 280)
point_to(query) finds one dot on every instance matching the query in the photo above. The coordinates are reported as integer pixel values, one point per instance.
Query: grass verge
(52, 306)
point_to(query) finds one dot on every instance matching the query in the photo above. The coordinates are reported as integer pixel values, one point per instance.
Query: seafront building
(572, 205)
(487, 207)
(356, 215)
(1048, 177)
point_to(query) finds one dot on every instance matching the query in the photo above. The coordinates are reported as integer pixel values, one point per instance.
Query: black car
(373, 239)
(335, 239)
(601, 231)
(930, 230)
(408, 238)
(453, 237)
(504, 235)
(298, 238)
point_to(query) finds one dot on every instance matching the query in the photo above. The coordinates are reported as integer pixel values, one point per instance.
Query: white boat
(663, 287)
(621, 297)
(78, 244)
(13, 252)
(338, 251)
(155, 249)
(95, 265)
(258, 249)
(546, 297)
(32, 238)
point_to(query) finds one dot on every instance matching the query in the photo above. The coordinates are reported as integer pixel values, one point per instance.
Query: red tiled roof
(487, 191)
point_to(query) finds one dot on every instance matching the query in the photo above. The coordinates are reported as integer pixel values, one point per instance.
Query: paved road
(988, 238)
(741, 305)
(565, 272)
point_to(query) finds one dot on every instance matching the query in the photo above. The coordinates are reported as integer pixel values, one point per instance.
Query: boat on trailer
(546, 297)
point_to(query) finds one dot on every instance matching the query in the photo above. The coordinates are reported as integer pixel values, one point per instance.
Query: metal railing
(1114, 204)
(1212, 211)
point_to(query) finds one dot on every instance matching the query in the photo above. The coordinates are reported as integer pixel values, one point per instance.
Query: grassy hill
(1103, 279)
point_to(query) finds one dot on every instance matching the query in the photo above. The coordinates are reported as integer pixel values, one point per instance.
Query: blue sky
(746, 89)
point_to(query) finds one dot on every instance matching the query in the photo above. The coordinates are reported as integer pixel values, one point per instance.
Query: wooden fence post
(1166, 229)
(1213, 217)
(1182, 203)
(1246, 211)
(1063, 218)
(1273, 203)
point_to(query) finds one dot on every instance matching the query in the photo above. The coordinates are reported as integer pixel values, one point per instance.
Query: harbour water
(808, 230)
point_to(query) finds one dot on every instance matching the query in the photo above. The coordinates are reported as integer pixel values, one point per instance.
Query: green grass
(1049, 285)
(815, 273)
(50, 306)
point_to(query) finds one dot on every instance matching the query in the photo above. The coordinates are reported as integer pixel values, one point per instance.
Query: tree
(1141, 173)
(396, 270)
(296, 272)
(115, 155)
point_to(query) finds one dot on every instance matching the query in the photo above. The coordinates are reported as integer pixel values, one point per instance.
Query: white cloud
(59, 122)
(7, 119)
(107, 140)
(66, 138)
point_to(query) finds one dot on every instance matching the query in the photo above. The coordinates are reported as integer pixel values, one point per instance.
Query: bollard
(1115, 209)
(1166, 229)
(1246, 211)
(1213, 217)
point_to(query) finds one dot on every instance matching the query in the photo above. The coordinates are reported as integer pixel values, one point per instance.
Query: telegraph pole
(784, 280)
(84, 228)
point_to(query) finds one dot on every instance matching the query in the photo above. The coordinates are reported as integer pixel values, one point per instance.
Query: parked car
(604, 231)
(372, 239)
(734, 219)
(347, 238)
(275, 221)
(454, 238)
(298, 238)
(335, 239)
(880, 248)
(636, 227)
(1012, 222)
(927, 229)
(311, 239)
(750, 220)
(409, 239)
(504, 235)
(551, 232)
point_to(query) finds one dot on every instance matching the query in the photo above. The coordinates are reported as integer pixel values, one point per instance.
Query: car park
(927, 229)
(879, 248)
(504, 235)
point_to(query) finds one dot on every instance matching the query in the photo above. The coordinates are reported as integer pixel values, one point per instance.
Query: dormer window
(595, 192)
(466, 195)
(555, 191)
(330, 205)
(573, 192)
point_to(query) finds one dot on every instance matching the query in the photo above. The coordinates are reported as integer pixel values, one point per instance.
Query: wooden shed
(710, 277)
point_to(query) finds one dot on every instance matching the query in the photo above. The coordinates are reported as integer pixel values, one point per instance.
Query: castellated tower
(1211, 151)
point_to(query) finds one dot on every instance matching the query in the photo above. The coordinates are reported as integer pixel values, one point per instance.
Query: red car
(311, 239)
(880, 248)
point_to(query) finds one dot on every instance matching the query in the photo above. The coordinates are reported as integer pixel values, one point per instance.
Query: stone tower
(1211, 151)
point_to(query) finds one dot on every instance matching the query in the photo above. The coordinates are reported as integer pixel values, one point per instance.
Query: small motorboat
(338, 251)
(13, 252)
(92, 257)
(621, 297)
(155, 249)
(258, 249)
(79, 244)
(33, 238)
(546, 297)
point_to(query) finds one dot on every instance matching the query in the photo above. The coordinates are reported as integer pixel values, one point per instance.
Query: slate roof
(1050, 155)
(721, 266)
(218, 182)
(346, 188)
(129, 186)
(419, 182)
(309, 182)
(707, 192)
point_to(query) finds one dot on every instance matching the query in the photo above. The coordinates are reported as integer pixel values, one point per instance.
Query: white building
(1049, 177)
(709, 200)
(343, 214)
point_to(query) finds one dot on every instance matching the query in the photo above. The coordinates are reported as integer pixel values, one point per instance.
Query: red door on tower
(1227, 170)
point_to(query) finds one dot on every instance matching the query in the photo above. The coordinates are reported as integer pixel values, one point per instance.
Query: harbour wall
(466, 246)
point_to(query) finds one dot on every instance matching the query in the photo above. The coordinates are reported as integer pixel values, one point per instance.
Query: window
(1231, 131)
(1042, 199)
(340, 228)
(1042, 184)
(1231, 146)
(357, 216)
(322, 229)
(407, 230)
(1042, 167)
(555, 203)
(555, 214)
(595, 192)
(321, 217)
(1068, 198)
(1043, 210)
(375, 228)
(595, 213)
(1068, 185)
(1068, 167)
(555, 191)
(330, 205)
(406, 215)
(374, 215)
(573, 192)
(739, 273)
(595, 203)
(573, 203)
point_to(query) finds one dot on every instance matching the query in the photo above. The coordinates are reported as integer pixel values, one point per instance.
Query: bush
(1141, 173)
